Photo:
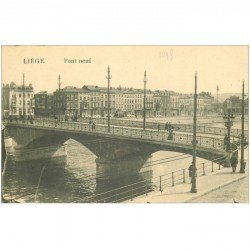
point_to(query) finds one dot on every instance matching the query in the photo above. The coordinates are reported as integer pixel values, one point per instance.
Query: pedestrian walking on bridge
(170, 135)
(159, 126)
(234, 162)
(93, 126)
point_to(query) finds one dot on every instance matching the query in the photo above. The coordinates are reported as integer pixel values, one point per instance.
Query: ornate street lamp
(59, 97)
(194, 142)
(242, 162)
(228, 118)
(23, 88)
(108, 78)
(144, 99)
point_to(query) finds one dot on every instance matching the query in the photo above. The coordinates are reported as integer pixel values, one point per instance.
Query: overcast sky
(168, 67)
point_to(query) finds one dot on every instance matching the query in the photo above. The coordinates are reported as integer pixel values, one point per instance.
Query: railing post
(212, 166)
(203, 166)
(172, 179)
(131, 193)
(184, 177)
(160, 184)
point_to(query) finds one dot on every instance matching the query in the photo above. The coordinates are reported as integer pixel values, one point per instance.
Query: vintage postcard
(125, 124)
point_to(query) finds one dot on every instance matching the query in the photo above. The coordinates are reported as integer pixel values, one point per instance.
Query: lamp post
(242, 162)
(217, 89)
(228, 124)
(194, 142)
(108, 77)
(59, 104)
(23, 97)
(144, 100)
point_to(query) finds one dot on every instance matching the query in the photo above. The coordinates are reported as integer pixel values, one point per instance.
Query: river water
(76, 182)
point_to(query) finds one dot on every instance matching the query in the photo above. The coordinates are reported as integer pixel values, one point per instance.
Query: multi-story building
(234, 104)
(84, 103)
(174, 104)
(131, 101)
(67, 102)
(161, 101)
(95, 101)
(18, 100)
(186, 108)
(205, 104)
(122, 101)
(44, 104)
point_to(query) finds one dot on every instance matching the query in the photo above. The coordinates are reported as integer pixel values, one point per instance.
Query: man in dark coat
(234, 162)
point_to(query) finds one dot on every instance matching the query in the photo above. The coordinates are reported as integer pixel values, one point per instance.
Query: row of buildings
(92, 100)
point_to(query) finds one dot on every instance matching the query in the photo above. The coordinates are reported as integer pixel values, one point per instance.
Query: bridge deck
(137, 134)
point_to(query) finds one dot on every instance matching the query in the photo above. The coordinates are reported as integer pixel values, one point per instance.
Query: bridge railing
(204, 129)
(154, 135)
(154, 125)
(158, 183)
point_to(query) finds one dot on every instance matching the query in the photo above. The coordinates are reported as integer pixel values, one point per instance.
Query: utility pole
(242, 162)
(59, 104)
(23, 97)
(108, 77)
(217, 89)
(194, 173)
(144, 100)
(228, 124)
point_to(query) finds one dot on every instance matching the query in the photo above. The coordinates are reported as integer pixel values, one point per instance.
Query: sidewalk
(181, 192)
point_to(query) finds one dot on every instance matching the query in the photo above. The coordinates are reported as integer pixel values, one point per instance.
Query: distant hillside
(223, 96)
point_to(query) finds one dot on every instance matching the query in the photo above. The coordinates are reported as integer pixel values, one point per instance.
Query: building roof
(14, 86)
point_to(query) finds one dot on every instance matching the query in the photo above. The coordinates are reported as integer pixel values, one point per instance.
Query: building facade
(44, 104)
(18, 100)
(234, 105)
(174, 104)
(92, 101)
(67, 102)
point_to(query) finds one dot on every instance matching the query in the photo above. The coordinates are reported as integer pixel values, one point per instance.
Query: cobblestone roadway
(237, 191)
